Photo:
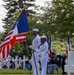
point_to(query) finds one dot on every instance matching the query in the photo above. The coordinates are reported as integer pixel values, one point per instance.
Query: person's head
(53, 54)
(35, 31)
(43, 39)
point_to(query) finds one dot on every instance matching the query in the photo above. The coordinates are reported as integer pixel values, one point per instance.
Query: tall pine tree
(13, 7)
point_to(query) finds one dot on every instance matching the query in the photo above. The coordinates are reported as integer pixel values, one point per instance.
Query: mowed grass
(14, 71)
(20, 72)
(14, 74)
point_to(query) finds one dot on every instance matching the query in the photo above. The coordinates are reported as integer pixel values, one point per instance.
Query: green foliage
(0, 37)
(58, 47)
(58, 18)
(18, 47)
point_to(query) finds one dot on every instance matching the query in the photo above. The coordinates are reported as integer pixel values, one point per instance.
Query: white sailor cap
(43, 37)
(37, 30)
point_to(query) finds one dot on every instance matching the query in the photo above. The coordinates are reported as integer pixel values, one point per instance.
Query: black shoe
(64, 73)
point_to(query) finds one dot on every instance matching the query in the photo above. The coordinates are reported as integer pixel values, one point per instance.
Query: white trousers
(44, 61)
(35, 63)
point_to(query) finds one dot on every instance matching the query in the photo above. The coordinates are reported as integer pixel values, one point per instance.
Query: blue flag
(20, 28)
(22, 23)
(68, 46)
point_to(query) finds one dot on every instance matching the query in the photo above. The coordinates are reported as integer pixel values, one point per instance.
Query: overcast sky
(2, 15)
(3, 11)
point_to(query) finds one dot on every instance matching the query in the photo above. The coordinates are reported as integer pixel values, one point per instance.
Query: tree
(58, 17)
(14, 6)
(64, 16)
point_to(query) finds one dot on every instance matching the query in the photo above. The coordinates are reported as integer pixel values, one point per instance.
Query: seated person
(12, 65)
(59, 58)
(27, 65)
(53, 63)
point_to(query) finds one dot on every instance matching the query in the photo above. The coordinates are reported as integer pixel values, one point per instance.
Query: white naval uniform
(35, 56)
(43, 57)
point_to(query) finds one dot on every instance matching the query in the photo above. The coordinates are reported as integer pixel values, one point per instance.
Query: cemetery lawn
(14, 71)
(19, 72)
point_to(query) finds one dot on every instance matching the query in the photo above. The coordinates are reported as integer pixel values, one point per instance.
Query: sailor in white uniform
(43, 55)
(35, 54)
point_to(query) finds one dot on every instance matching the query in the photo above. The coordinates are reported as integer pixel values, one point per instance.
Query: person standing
(63, 63)
(43, 55)
(35, 53)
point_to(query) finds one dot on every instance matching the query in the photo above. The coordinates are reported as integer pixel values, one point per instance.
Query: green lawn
(27, 74)
(18, 72)
(30, 74)
(14, 71)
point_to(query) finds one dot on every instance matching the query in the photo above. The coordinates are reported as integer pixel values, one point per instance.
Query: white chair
(69, 68)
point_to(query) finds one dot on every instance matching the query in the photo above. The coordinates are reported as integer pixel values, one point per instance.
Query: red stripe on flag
(7, 39)
(4, 44)
(67, 49)
(66, 53)
(9, 33)
(13, 40)
(20, 38)
(8, 50)
(21, 35)
(5, 51)
(50, 53)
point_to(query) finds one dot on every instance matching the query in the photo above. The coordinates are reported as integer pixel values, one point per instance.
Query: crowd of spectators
(57, 61)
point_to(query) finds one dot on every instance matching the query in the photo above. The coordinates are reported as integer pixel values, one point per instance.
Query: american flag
(16, 34)
(9, 41)
(68, 46)
(5, 51)
(5, 46)
(21, 37)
